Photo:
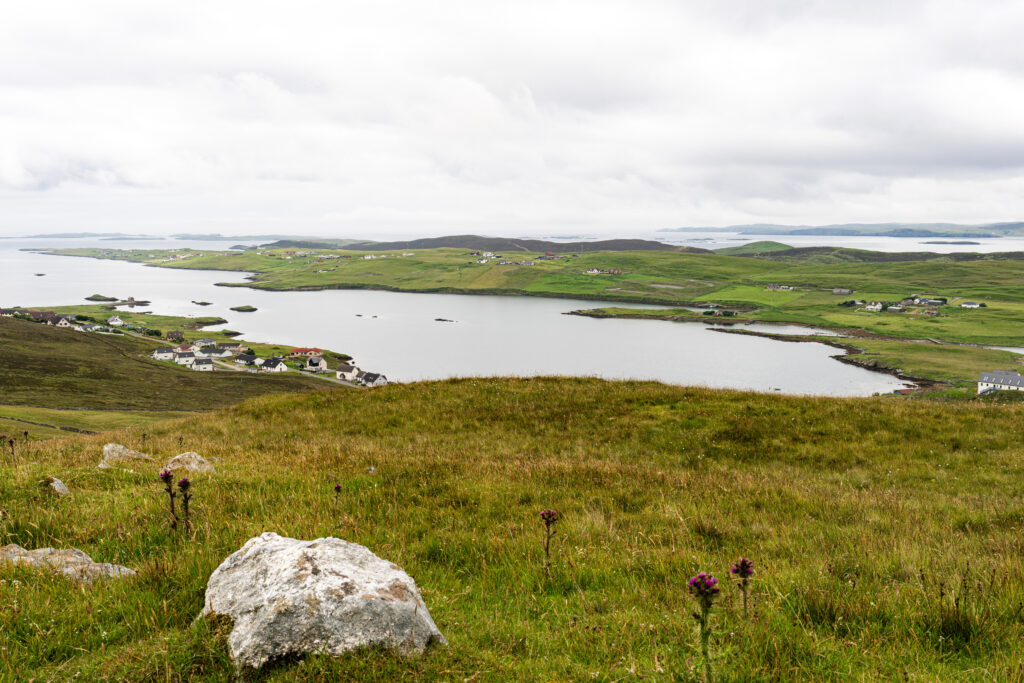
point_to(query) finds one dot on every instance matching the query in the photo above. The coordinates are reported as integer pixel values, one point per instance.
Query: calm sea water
(398, 334)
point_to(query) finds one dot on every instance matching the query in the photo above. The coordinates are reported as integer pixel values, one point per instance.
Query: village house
(246, 359)
(175, 335)
(779, 287)
(164, 353)
(202, 365)
(304, 353)
(895, 308)
(841, 290)
(185, 358)
(1000, 380)
(347, 372)
(316, 364)
(115, 321)
(273, 365)
(8, 312)
(90, 327)
(182, 348)
(970, 304)
(481, 260)
(205, 341)
(213, 352)
(234, 346)
(874, 306)
(371, 379)
(62, 321)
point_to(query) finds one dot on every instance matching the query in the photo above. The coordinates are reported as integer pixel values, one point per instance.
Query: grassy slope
(762, 247)
(730, 280)
(867, 519)
(192, 326)
(49, 367)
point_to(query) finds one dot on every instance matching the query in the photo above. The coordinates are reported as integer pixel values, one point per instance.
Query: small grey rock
(116, 455)
(57, 486)
(71, 562)
(190, 462)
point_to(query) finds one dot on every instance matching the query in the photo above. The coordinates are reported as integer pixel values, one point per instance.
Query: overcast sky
(381, 118)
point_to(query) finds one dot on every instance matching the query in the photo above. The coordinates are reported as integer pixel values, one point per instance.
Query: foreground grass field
(886, 533)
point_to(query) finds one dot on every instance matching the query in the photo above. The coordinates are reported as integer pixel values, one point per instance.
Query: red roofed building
(305, 353)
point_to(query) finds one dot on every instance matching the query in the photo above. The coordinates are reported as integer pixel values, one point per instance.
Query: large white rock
(287, 596)
(116, 455)
(70, 562)
(190, 462)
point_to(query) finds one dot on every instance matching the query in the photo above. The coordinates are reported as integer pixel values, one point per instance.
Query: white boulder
(71, 562)
(287, 596)
(191, 462)
(57, 486)
(116, 455)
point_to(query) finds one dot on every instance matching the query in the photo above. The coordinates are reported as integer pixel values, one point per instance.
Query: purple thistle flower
(549, 517)
(704, 587)
(743, 568)
(337, 488)
(183, 484)
(25, 433)
(166, 476)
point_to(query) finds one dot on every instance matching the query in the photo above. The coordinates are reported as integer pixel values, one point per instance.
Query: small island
(244, 309)
(950, 242)
(202, 303)
(100, 297)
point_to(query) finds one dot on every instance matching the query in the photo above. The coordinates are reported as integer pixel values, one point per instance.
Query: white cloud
(370, 118)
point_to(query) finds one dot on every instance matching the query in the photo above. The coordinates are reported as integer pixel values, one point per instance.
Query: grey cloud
(606, 115)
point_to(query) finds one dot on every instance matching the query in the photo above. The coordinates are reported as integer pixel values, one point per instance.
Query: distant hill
(871, 229)
(497, 244)
(753, 248)
(844, 255)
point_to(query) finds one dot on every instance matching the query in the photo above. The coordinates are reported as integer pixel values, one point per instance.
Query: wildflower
(743, 569)
(184, 484)
(25, 433)
(704, 588)
(549, 517)
(337, 488)
(168, 479)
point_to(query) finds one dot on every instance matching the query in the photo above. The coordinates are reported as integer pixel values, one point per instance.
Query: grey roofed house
(1000, 380)
(245, 359)
(205, 341)
(203, 364)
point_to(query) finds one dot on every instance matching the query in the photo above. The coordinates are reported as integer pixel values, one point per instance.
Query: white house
(62, 321)
(273, 365)
(371, 379)
(316, 364)
(970, 304)
(202, 365)
(164, 353)
(874, 306)
(1000, 380)
(186, 358)
(347, 372)
(213, 352)
(115, 321)
(205, 341)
